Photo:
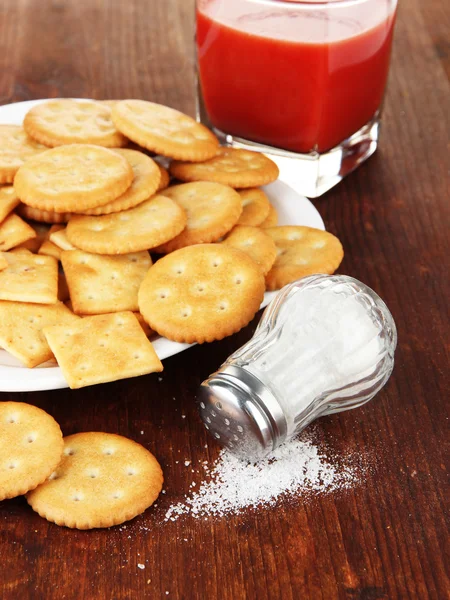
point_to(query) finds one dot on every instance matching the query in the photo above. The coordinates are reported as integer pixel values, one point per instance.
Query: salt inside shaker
(324, 344)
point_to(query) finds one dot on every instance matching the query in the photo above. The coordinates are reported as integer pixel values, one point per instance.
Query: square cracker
(14, 231)
(8, 201)
(48, 248)
(21, 325)
(100, 284)
(102, 348)
(29, 278)
(3, 262)
(59, 238)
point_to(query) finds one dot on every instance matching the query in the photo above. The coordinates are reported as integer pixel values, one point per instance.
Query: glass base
(315, 173)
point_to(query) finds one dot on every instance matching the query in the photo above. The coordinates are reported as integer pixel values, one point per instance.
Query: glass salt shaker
(324, 344)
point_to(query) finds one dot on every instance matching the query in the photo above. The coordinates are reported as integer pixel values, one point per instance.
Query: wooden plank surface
(385, 538)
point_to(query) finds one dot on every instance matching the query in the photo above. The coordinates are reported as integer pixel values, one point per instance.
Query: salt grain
(298, 468)
(141, 566)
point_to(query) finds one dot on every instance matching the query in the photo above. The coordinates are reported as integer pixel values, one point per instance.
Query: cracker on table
(234, 167)
(15, 148)
(272, 218)
(102, 348)
(73, 177)
(201, 293)
(255, 207)
(29, 278)
(302, 251)
(164, 130)
(143, 227)
(103, 480)
(254, 242)
(104, 284)
(8, 201)
(211, 208)
(145, 183)
(21, 326)
(42, 216)
(14, 231)
(66, 121)
(31, 447)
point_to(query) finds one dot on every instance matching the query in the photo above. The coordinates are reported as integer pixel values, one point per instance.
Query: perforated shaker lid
(241, 413)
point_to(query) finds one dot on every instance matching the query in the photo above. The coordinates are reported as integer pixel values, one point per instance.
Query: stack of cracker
(86, 289)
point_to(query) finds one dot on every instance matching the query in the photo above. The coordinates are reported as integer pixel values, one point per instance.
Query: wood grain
(386, 538)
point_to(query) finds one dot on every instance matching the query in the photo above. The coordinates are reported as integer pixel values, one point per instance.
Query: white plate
(292, 208)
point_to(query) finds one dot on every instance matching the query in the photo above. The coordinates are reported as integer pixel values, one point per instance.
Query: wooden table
(386, 537)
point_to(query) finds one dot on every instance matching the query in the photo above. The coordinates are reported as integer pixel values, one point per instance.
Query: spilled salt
(297, 468)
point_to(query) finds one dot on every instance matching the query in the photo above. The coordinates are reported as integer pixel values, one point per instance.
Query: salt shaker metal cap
(324, 344)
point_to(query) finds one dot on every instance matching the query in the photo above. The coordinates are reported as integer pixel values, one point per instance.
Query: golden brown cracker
(201, 293)
(164, 130)
(254, 242)
(145, 183)
(102, 348)
(43, 216)
(29, 278)
(211, 208)
(255, 207)
(21, 326)
(103, 480)
(73, 177)
(15, 148)
(14, 231)
(272, 218)
(66, 121)
(101, 284)
(31, 447)
(8, 201)
(145, 226)
(231, 166)
(302, 251)
(165, 178)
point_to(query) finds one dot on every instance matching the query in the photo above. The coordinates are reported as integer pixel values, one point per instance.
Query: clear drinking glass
(300, 81)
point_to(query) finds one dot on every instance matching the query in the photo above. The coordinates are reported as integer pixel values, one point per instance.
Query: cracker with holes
(254, 242)
(211, 208)
(255, 207)
(21, 326)
(8, 201)
(103, 480)
(14, 231)
(272, 218)
(145, 226)
(66, 121)
(15, 148)
(31, 447)
(145, 183)
(43, 216)
(104, 284)
(201, 293)
(164, 130)
(231, 166)
(29, 278)
(302, 251)
(102, 348)
(73, 177)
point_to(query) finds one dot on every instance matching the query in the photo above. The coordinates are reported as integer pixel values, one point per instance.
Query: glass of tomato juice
(302, 82)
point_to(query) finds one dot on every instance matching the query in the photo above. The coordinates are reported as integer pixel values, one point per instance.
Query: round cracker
(31, 447)
(164, 130)
(145, 226)
(66, 121)
(74, 177)
(201, 293)
(212, 209)
(145, 183)
(255, 207)
(43, 216)
(302, 251)
(15, 148)
(231, 166)
(103, 480)
(272, 218)
(165, 178)
(254, 242)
